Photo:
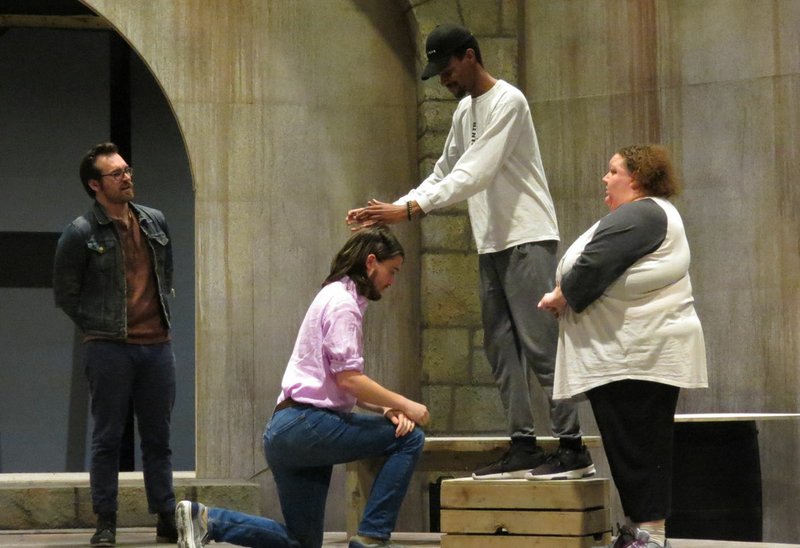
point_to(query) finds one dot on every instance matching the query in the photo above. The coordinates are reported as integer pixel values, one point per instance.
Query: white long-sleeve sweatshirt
(491, 158)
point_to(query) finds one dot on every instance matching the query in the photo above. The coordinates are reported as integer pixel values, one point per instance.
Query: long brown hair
(351, 260)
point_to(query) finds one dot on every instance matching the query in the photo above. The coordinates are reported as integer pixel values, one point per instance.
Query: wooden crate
(523, 513)
(447, 455)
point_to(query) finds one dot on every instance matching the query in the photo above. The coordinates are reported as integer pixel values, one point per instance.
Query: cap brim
(434, 67)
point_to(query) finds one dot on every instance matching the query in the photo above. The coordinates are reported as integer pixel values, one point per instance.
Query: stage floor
(144, 538)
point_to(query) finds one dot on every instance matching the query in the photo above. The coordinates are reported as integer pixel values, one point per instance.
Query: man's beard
(372, 292)
(458, 92)
(118, 196)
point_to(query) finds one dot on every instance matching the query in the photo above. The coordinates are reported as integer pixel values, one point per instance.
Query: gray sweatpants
(517, 335)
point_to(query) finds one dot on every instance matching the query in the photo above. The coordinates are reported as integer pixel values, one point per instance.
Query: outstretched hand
(376, 213)
(353, 221)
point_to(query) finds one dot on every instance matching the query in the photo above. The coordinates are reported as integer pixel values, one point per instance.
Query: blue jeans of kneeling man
(301, 445)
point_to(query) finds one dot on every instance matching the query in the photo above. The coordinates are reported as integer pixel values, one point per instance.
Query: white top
(643, 326)
(491, 159)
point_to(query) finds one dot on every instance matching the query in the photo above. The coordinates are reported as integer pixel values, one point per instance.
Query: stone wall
(717, 80)
(456, 378)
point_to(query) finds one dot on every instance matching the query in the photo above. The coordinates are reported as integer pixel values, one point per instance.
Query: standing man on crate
(112, 277)
(491, 159)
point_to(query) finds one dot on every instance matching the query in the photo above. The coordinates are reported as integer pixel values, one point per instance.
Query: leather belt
(287, 403)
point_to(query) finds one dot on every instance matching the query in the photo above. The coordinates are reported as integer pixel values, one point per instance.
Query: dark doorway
(70, 81)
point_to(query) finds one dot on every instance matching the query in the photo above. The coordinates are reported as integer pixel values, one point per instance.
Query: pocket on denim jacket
(101, 254)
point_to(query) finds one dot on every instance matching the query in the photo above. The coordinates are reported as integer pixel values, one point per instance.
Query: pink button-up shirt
(329, 342)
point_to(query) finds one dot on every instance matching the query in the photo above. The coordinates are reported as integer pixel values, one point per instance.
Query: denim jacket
(89, 272)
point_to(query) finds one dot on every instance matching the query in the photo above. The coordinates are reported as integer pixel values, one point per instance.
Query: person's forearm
(66, 292)
(415, 209)
(372, 407)
(370, 392)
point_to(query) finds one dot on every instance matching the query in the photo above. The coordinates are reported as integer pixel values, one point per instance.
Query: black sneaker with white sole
(515, 463)
(565, 463)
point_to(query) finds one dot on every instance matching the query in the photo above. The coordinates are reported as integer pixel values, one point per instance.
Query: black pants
(117, 373)
(636, 424)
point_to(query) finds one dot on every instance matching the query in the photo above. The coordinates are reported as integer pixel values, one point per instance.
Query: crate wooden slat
(525, 514)
(525, 522)
(547, 495)
(526, 541)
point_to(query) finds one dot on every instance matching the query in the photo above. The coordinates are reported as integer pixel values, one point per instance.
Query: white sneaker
(192, 530)
(358, 541)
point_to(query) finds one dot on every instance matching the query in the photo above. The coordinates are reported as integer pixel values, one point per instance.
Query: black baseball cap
(440, 45)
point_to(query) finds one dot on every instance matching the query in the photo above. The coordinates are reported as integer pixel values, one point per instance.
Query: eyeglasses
(118, 173)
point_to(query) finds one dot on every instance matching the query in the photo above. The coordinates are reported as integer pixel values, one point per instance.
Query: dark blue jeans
(118, 373)
(301, 445)
(247, 530)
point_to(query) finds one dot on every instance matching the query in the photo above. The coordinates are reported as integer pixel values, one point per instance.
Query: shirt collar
(103, 218)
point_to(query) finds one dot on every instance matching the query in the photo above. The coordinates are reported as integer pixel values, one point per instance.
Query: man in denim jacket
(112, 277)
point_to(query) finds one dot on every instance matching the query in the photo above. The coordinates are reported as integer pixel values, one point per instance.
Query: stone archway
(249, 99)
(220, 118)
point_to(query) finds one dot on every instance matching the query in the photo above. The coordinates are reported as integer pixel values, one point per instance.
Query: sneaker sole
(183, 520)
(516, 474)
(580, 473)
